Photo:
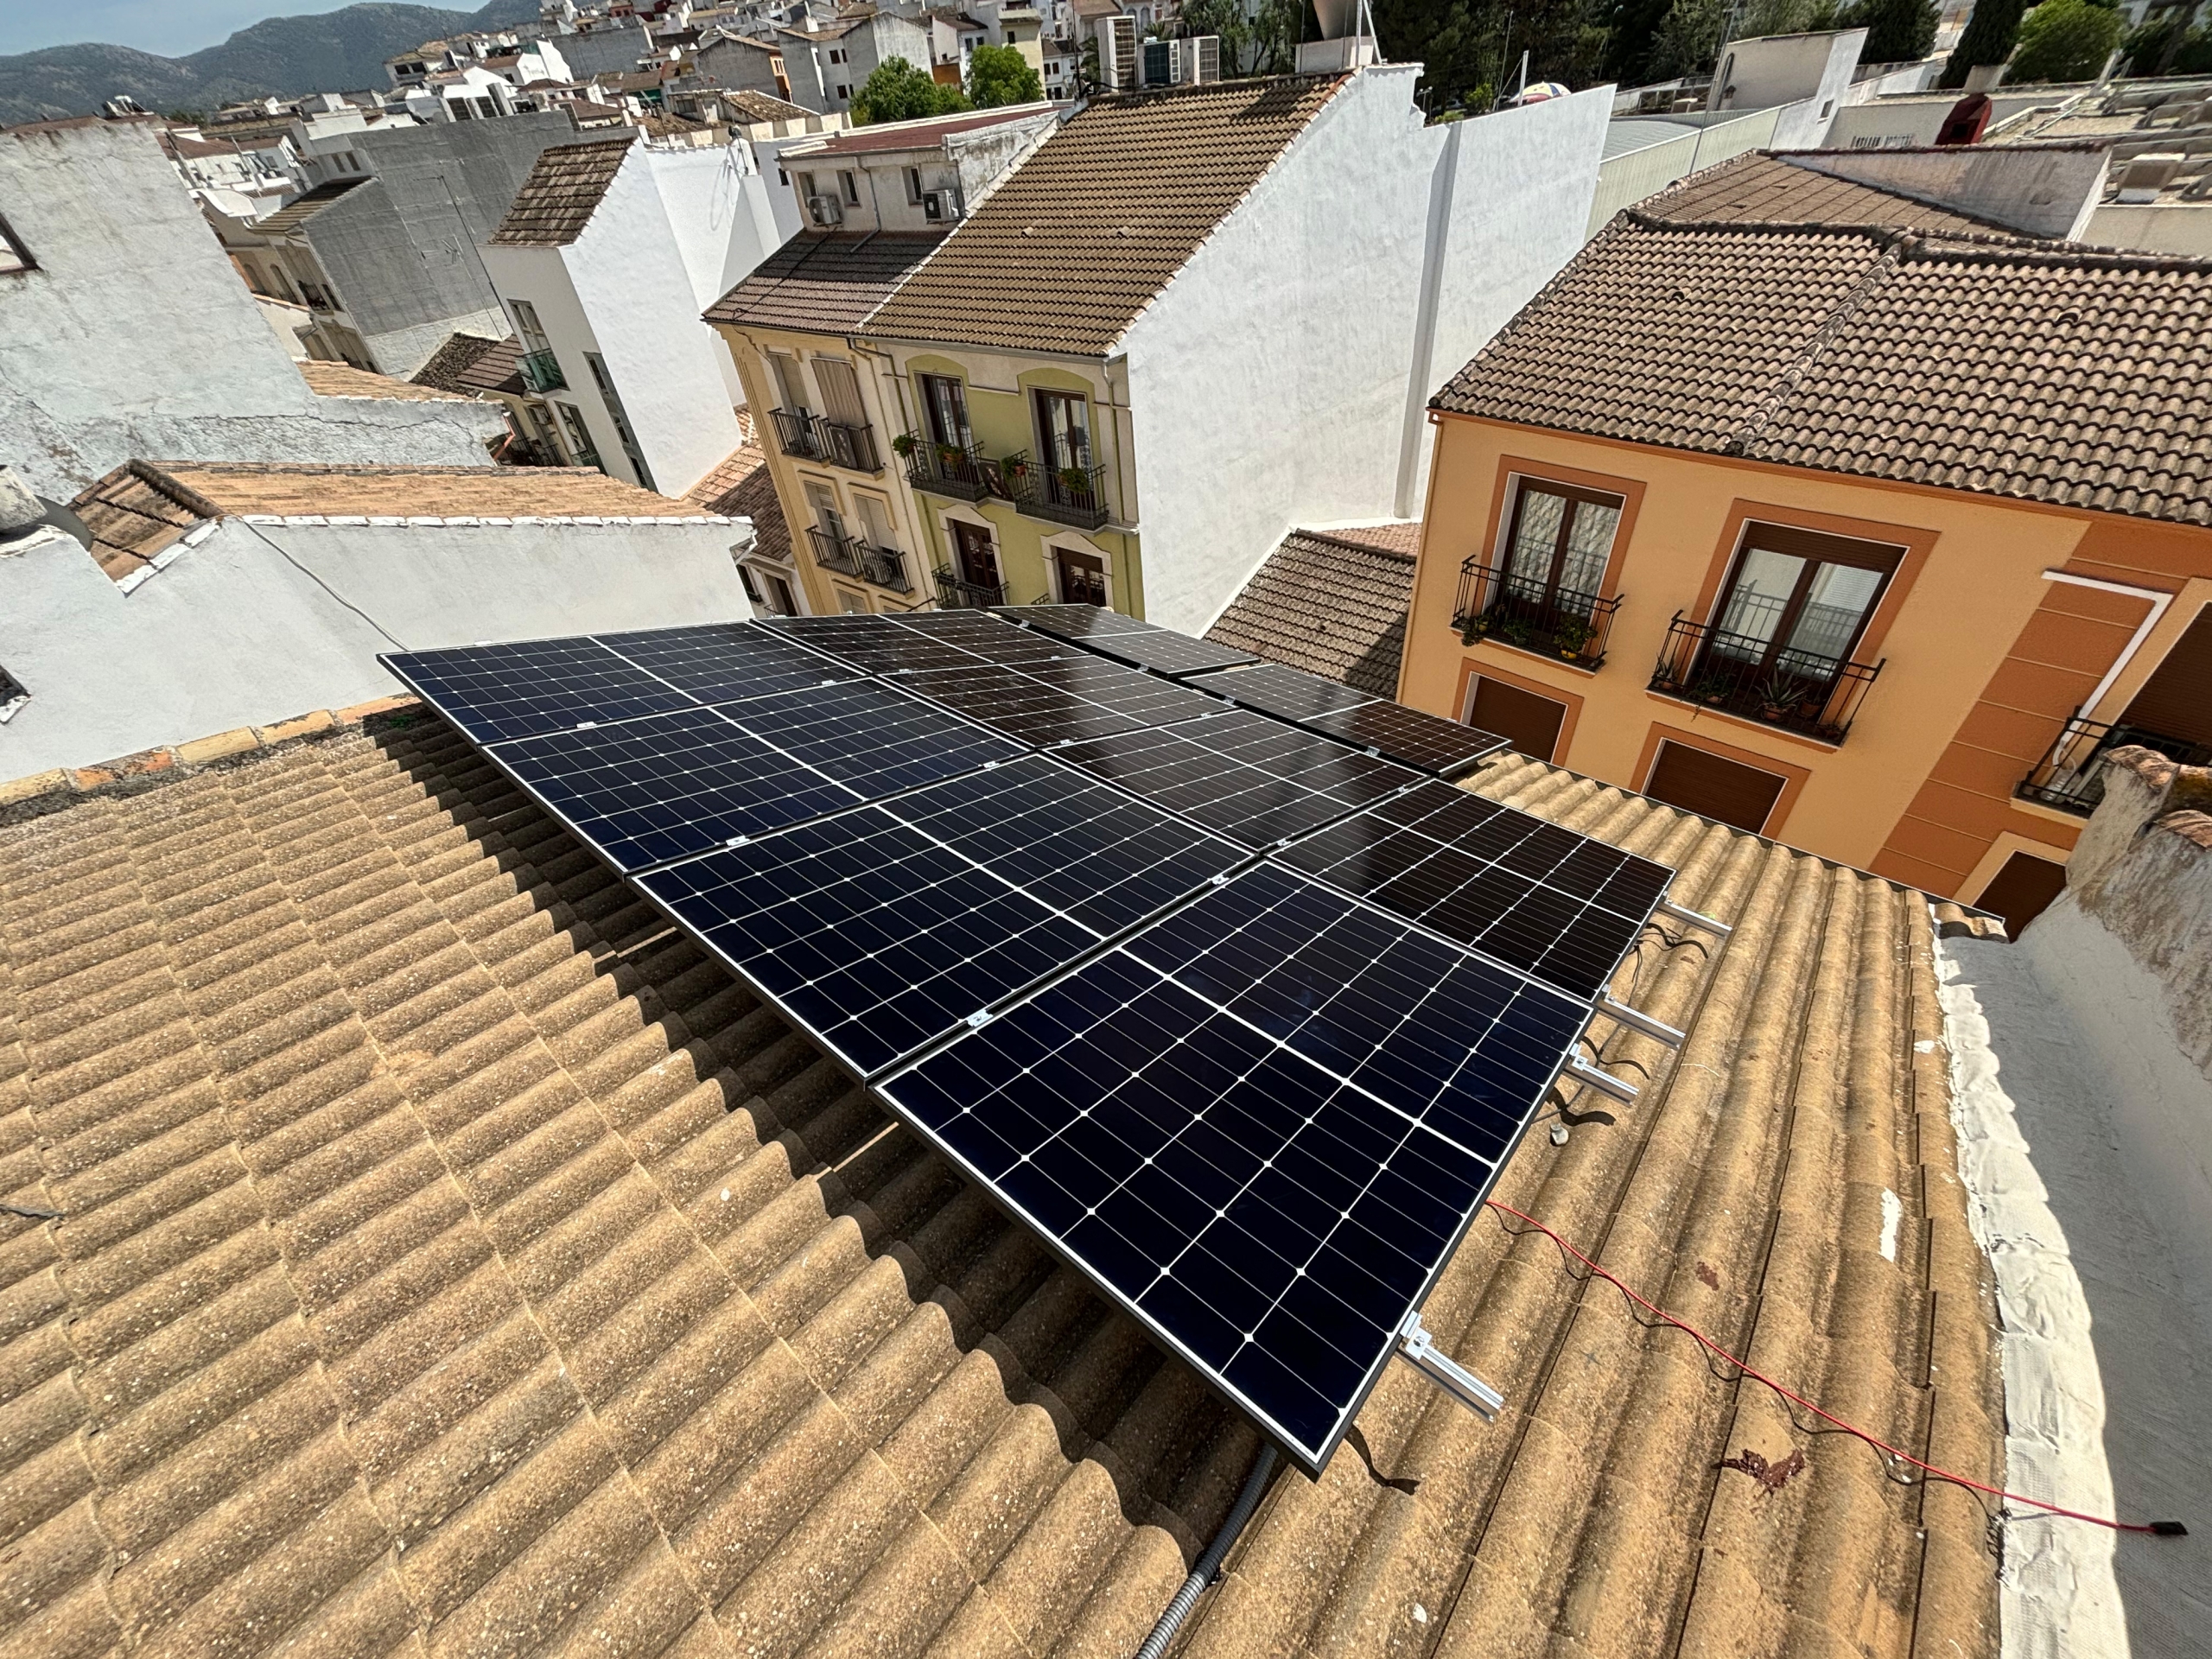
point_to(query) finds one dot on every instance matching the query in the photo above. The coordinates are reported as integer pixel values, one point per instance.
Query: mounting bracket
(1604, 1081)
(1418, 1348)
(1636, 1020)
(1689, 918)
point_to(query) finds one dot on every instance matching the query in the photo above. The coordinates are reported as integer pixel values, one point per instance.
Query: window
(2176, 701)
(1530, 723)
(823, 502)
(790, 385)
(1063, 430)
(582, 450)
(852, 604)
(841, 391)
(1714, 787)
(527, 326)
(944, 408)
(846, 182)
(615, 412)
(1083, 577)
(780, 600)
(978, 556)
(914, 186)
(806, 186)
(2020, 892)
(1798, 600)
(836, 55)
(844, 90)
(1558, 540)
(751, 583)
(875, 521)
(782, 177)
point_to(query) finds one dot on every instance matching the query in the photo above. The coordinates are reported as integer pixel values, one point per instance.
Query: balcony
(541, 371)
(848, 556)
(951, 469)
(1527, 614)
(795, 433)
(956, 592)
(1068, 495)
(2071, 775)
(1799, 692)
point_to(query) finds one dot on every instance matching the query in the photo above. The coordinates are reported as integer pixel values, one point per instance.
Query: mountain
(282, 57)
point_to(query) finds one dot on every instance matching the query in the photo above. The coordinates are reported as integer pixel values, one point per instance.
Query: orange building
(1874, 535)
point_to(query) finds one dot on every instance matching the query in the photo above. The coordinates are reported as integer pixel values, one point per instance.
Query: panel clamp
(1689, 918)
(1418, 1348)
(1604, 1081)
(1636, 1020)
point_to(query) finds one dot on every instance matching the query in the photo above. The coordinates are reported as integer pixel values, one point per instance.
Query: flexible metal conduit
(1255, 1486)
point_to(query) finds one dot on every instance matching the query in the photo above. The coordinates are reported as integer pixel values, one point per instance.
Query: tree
(1632, 28)
(1224, 18)
(1689, 40)
(998, 75)
(1897, 31)
(2065, 40)
(1990, 34)
(896, 91)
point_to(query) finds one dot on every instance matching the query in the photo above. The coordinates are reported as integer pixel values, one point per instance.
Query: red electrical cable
(2163, 1529)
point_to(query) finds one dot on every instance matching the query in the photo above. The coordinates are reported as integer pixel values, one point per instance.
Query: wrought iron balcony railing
(959, 471)
(955, 592)
(541, 371)
(1529, 615)
(2071, 775)
(1797, 690)
(1067, 495)
(850, 447)
(848, 556)
(795, 433)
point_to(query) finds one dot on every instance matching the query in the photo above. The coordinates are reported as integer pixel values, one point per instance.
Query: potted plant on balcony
(949, 455)
(1014, 469)
(902, 445)
(1518, 631)
(1075, 481)
(1573, 637)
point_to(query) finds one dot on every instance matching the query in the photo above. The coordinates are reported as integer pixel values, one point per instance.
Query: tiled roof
(760, 106)
(471, 363)
(1763, 188)
(824, 282)
(304, 489)
(344, 380)
(742, 488)
(1330, 602)
(134, 513)
(564, 186)
(295, 213)
(452, 1260)
(2041, 371)
(1101, 217)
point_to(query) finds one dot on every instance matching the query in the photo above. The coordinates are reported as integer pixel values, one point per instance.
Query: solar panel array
(1243, 1020)
(1425, 742)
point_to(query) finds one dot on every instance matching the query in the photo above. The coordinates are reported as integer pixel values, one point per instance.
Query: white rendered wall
(1281, 378)
(721, 212)
(136, 338)
(1628, 178)
(233, 632)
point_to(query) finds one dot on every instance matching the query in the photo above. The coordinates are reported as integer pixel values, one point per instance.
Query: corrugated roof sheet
(2041, 371)
(1331, 602)
(824, 282)
(1101, 216)
(563, 190)
(296, 213)
(452, 1260)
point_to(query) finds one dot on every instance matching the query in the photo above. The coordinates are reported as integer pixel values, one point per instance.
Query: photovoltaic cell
(1220, 1173)
(500, 691)
(874, 645)
(1165, 651)
(1533, 895)
(723, 661)
(1073, 621)
(1059, 701)
(1427, 742)
(644, 792)
(1283, 692)
(1253, 779)
(988, 636)
(865, 735)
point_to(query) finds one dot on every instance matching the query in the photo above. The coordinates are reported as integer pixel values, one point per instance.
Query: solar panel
(1166, 652)
(883, 928)
(644, 792)
(874, 645)
(865, 733)
(1073, 621)
(1201, 1142)
(1428, 742)
(990, 637)
(723, 661)
(1535, 896)
(493, 692)
(1060, 701)
(1251, 778)
(1285, 693)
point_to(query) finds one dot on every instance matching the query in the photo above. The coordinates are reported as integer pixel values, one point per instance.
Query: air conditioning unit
(1201, 60)
(825, 211)
(1162, 61)
(1117, 52)
(941, 207)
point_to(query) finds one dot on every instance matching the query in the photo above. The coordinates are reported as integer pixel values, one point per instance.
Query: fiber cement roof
(2039, 371)
(452, 1261)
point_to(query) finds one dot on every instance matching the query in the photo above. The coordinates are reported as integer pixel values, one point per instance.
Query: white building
(611, 251)
(212, 598)
(126, 332)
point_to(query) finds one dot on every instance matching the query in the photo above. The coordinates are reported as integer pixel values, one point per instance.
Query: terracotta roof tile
(821, 281)
(344, 380)
(1101, 216)
(563, 190)
(1765, 188)
(134, 513)
(760, 106)
(472, 363)
(2039, 371)
(741, 486)
(296, 213)
(420, 1189)
(1332, 602)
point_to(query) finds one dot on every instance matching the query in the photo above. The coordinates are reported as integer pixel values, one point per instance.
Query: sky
(171, 27)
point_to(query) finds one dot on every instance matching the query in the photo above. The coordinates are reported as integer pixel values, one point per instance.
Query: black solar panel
(1251, 778)
(1058, 701)
(988, 636)
(1073, 621)
(1536, 897)
(645, 792)
(723, 661)
(1218, 1168)
(875, 645)
(865, 733)
(883, 928)
(1428, 742)
(1283, 692)
(494, 692)
(1166, 652)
